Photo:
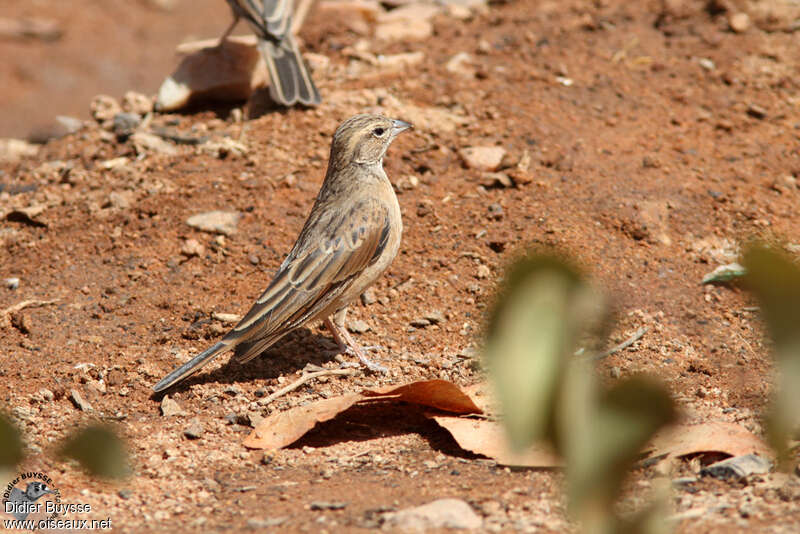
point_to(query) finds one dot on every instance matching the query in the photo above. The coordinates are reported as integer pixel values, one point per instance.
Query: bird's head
(364, 139)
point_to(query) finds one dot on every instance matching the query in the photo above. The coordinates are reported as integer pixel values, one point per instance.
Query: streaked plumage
(271, 21)
(351, 236)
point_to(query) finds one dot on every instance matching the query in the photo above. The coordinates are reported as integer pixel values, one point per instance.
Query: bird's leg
(349, 345)
(229, 30)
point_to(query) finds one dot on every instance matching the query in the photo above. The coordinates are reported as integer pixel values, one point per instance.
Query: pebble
(145, 142)
(420, 322)
(443, 513)
(706, 63)
(325, 505)
(434, 316)
(252, 258)
(738, 467)
(137, 103)
(170, 407)
(483, 272)
(461, 64)
(495, 211)
(192, 247)
(13, 150)
(11, 283)
(756, 111)
(496, 179)
(368, 297)
(739, 22)
(357, 326)
(195, 429)
(104, 108)
(404, 30)
(124, 124)
(482, 158)
(79, 401)
(220, 222)
(120, 199)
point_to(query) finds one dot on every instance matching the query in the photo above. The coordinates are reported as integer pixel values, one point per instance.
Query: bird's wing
(312, 278)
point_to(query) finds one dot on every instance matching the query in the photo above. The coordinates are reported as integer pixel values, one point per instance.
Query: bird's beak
(399, 126)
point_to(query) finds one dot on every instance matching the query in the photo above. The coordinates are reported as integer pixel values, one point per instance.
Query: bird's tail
(290, 82)
(190, 367)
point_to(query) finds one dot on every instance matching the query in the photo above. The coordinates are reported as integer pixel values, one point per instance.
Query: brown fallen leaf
(713, 436)
(439, 394)
(284, 428)
(488, 438)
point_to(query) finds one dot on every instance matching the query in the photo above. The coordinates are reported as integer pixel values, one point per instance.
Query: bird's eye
(378, 131)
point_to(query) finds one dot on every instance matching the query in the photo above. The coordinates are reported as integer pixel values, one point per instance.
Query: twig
(306, 378)
(625, 344)
(33, 303)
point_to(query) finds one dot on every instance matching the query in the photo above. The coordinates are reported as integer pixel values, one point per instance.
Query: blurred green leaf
(604, 441)
(541, 311)
(10, 443)
(775, 280)
(98, 449)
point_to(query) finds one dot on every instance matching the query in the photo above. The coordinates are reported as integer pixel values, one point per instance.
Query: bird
(271, 22)
(349, 239)
(23, 501)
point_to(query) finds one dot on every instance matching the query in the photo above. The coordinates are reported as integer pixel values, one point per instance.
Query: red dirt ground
(650, 169)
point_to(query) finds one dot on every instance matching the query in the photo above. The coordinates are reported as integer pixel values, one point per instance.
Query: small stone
(462, 65)
(120, 199)
(357, 326)
(21, 322)
(125, 494)
(104, 108)
(254, 259)
(221, 222)
(124, 124)
(13, 150)
(137, 103)
(404, 30)
(368, 297)
(399, 61)
(495, 211)
(443, 513)
(483, 158)
(706, 63)
(739, 22)
(227, 318)
(11, 283)
(434, 316)
(195, 429)
(738, 467)
(757, 112)
(170, 408)
(144, 142)
(496, 179)
(192, 247)
(68, 125)
(79, 401)
(483, 272)
(420, 322)
(257, 524)
(46, 394)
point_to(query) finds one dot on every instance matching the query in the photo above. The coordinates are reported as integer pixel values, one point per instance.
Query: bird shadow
(370, 421)
(294, 351)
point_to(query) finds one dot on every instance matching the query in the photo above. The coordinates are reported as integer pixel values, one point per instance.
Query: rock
(420, 322)
(756, 111)
(104, 108)
(137, 103)
(434, 316)
(325, 505)
(404, 30)
(738, 467)
(124, 124)
(120, 199)
(357, 16)
(170, 408)
(707, 64)
(496, 179)
(407, 182)
(226, 73)
(357, 326)
(482, 158)
(399, 61)
(192, 247)
(483, 272)
(13, 150)
(521, 173)
(144, 142)
(739, 22)
(25, 28)
(368, 297)
(443, 513)
(495, 211)
(195, 429)
(224, 147)
(79, 402)
(227, 318)
(219, 222)
(461, 64)
(68, 125)
(11, 283)
(318, 63)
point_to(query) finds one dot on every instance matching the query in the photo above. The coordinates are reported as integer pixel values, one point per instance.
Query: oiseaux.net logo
(31, 502)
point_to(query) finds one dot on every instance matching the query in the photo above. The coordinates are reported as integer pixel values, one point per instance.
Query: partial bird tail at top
(190, 367)
(290, 82)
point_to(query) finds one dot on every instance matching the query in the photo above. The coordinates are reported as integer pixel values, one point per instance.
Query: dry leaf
(284, 428)
(714, 436)
(488, 438)
(439, 394)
